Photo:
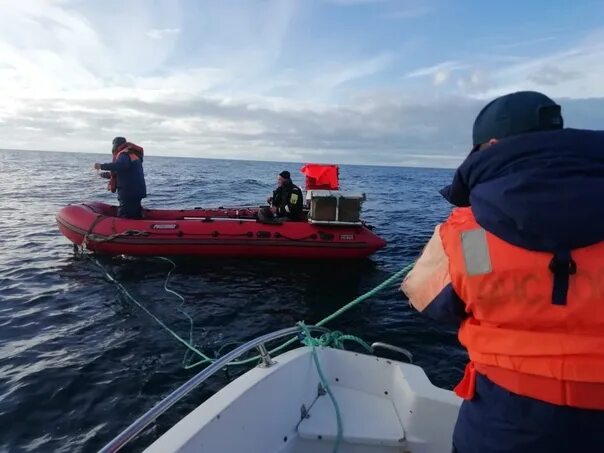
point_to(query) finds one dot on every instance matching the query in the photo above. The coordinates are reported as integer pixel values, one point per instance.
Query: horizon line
(240, 159)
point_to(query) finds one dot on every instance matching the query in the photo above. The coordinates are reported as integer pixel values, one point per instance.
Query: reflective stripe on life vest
(476, 252)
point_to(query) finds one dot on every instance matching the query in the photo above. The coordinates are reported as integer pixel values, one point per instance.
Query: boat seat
(367, 419)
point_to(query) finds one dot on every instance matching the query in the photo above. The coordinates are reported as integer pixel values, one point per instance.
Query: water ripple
(74, 353)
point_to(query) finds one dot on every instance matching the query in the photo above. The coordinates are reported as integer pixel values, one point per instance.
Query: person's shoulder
(561, 136)
(580, 142)
(587, 132)
(581, 135)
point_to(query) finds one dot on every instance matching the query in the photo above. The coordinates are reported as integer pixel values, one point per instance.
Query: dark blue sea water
(79, 362)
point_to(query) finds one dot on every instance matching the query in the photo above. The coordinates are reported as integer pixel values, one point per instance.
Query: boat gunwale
(256, 242)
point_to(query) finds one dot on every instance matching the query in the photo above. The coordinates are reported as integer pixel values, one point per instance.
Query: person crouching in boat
(519, 266)
(126, 176)
(287, 199)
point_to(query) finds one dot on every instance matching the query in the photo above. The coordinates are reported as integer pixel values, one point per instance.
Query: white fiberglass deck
(386, 406)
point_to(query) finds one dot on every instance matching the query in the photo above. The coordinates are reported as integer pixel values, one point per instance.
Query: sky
(390, 82)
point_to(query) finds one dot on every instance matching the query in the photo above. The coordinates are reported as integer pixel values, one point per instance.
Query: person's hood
(540, 191)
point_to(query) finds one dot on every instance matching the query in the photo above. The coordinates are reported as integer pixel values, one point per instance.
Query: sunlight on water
(73, 352)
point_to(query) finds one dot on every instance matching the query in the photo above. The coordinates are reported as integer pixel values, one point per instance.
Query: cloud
(250, 85)
(553, 75)
(574, 72)
(336, 75)
(525, 43)
(385, 132)
(439, 73)
(431, 70)
(559, 74)
(160, 33)
(381, 128)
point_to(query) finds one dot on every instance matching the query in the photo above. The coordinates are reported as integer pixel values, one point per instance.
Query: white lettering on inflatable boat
(347, 237)
(164, 226)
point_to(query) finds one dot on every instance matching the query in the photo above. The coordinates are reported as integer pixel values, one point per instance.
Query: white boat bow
(385, 406)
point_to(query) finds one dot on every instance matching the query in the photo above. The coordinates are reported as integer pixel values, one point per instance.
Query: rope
(125, 291)
(389, 281)
(128, 233)
(313, 343)
(186, 361)
(94, 223)
(335, 338)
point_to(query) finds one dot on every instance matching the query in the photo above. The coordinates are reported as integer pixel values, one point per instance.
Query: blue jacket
(130, 177)
(542, 192)
(498, 421)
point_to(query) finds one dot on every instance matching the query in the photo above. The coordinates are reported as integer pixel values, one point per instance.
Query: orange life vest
(134, 151)
(514, 334)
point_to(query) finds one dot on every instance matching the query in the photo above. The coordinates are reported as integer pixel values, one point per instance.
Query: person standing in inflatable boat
(519, 267)
(126, 176)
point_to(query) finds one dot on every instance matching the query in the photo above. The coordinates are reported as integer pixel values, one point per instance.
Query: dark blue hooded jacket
(541, 191)
(544, 192)
(130, 177)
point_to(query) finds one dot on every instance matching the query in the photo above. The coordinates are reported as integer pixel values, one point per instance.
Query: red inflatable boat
(232, 232)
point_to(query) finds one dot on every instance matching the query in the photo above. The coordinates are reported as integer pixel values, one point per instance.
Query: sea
(79, 361)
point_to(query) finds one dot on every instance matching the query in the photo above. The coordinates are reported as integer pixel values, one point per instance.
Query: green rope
(125, 291)
(335, 339)
(313, 343)
(389, 281)
(186, 361)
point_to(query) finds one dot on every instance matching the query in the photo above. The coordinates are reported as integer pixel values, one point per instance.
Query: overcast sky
(394, 82)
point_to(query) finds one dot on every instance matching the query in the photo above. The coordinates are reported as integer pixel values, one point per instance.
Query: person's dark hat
(285, 174)
(515, 114)
(117, 142)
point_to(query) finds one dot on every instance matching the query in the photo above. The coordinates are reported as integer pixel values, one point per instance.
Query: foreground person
(519, 265)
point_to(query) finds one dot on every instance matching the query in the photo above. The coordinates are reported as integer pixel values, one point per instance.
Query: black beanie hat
(285, 174)
(117, 142)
